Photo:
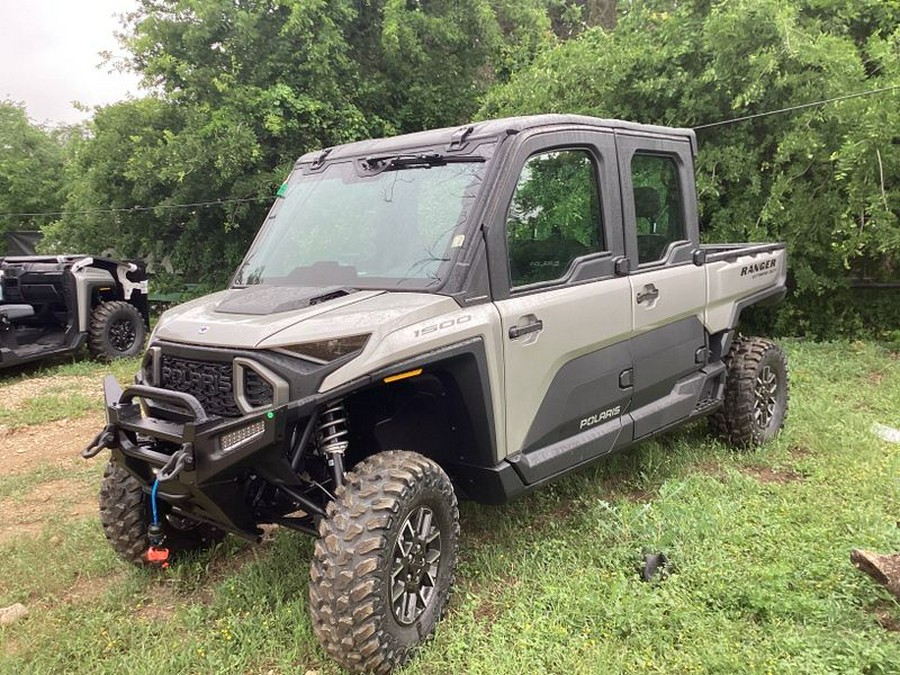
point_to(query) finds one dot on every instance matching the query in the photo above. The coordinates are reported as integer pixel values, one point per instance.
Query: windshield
(396, 228)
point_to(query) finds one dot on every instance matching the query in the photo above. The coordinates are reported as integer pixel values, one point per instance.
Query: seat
(651, 243)
(646, 204)
(15, 312)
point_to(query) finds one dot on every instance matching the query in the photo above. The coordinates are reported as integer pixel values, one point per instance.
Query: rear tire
(756, 393)
(117, 331)
(125, 515)
(384, 562)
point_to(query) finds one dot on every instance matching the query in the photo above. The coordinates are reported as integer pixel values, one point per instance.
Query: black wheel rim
(121, 335)
(766, 392)
(417, 558)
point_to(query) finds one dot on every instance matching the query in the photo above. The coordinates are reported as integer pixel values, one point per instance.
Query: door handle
(518, 331)
(649, 294)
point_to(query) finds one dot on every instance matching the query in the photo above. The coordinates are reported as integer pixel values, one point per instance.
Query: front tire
(384, 561)
(125, 515)
(756, 393)
(117, 331)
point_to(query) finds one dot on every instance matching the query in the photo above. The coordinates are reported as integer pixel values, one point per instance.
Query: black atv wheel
(117, 331)
(125, 515)
(384, 561)
(756, 393)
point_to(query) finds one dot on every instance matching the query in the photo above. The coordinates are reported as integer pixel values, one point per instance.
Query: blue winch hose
(153, 501)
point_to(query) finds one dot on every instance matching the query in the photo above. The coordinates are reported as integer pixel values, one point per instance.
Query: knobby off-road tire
(366, 558)
(117, 331)
(125, 514)
(756, 393)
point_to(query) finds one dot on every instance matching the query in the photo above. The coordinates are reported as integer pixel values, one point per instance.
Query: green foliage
(31, 169)
(243, 88)
(822, 179)
(556, 196)
(553, 216)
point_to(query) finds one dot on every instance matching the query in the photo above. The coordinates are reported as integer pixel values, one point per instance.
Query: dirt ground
(52, 445)
(14, 395)
(58, 443)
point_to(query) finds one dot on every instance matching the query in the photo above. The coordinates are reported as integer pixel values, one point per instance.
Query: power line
(802, 106)
(137, 209)
(223, 202)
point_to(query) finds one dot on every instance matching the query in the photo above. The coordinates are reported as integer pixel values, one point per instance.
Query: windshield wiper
(395, 162)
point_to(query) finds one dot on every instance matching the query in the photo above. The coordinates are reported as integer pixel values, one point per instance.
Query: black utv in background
(53, 305)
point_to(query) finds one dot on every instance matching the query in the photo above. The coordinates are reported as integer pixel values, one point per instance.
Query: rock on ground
(12, 613)
(885, 569)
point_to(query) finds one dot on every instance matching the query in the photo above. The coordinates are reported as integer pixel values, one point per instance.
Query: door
(566, 316)
(668, 292)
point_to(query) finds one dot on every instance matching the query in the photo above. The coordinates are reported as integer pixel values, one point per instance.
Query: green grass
(762, 584)
(73, 367)
(58, 397)
(16, 486)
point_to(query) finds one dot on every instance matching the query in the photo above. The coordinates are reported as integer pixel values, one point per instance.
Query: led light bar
(242, 435)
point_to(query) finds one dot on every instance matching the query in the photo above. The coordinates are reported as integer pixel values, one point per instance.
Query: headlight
(325, 351)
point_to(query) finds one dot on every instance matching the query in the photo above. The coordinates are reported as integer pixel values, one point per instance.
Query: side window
(657, 205)
(554, 216)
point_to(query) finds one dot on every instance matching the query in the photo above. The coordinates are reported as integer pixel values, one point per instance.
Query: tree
(823, 179)
(243, 87)
(31, 169)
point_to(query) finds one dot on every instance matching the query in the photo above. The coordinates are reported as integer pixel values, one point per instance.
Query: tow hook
(105, 439)
(181, 460)
(157, 554)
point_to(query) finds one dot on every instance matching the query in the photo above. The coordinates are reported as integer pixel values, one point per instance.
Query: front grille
(212, 384)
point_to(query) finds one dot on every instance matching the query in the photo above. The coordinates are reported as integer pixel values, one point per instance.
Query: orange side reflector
(403, 376)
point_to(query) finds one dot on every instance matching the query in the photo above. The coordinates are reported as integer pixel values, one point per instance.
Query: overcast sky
(50, 56)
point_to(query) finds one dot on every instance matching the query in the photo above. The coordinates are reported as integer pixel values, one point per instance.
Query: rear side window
(658, 209)
(554, 216)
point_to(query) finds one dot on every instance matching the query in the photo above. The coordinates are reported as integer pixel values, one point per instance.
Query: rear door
(667, 291)
(566, 316)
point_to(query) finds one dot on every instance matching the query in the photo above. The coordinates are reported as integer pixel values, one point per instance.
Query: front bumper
(202, 463)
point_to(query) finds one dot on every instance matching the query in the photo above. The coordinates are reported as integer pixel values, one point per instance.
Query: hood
(232, 319)
(266, 300)
(242, 318)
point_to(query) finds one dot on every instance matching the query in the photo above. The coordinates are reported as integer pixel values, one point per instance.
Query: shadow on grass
(237, 575)
(634, 475)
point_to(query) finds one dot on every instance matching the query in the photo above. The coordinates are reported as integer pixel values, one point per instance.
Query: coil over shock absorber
(333, 432)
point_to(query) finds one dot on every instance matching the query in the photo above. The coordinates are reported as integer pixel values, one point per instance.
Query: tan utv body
(460, 313)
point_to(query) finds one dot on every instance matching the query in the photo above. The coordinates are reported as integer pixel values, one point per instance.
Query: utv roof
(45, 258)
(456, 138)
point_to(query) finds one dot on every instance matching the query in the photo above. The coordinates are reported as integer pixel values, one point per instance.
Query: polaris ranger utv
(52, 305)
(460, 313)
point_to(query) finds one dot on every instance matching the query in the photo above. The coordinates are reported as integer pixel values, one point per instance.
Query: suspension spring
(333, 433)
